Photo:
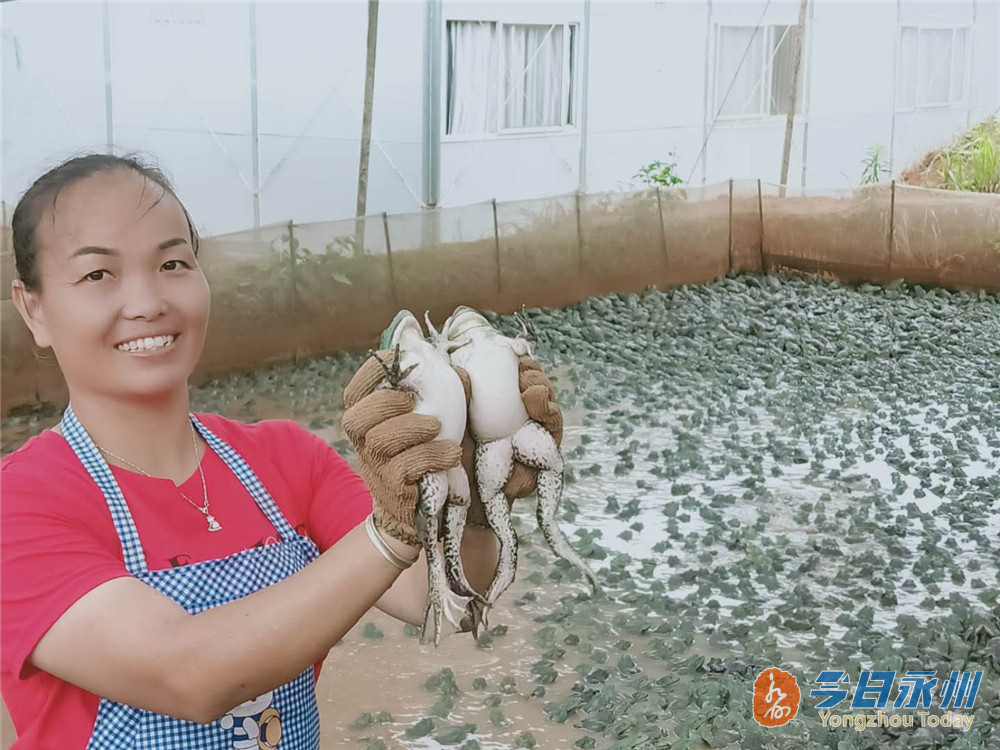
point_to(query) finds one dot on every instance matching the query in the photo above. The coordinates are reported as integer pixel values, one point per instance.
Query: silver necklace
(213, 525)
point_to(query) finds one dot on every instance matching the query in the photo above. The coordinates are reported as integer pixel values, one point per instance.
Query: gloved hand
(395, 447)
(538, 397)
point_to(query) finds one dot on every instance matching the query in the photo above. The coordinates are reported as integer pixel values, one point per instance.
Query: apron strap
(135, 559)
(79, 440)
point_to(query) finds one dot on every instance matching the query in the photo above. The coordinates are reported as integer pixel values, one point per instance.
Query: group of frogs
(503, 433)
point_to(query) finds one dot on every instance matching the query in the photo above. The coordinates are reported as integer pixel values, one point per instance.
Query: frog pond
(763, 471)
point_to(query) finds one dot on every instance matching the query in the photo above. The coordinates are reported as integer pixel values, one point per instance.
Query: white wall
(181, 90)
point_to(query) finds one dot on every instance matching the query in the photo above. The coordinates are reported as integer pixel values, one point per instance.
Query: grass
(971, 162)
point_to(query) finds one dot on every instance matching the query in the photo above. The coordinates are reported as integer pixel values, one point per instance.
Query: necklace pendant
(213, 525)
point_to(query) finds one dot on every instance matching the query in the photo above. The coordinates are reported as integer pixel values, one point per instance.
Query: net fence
(286, 291)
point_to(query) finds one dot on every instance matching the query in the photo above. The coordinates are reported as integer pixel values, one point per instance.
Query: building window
(753, 70)
(932, 67)
(509, 77)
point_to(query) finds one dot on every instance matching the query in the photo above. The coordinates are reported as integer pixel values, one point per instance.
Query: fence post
(579, 236)
(760, 218)
(892, 223)
(730, 223)
(496, 245)
(663, 231)
(388, 255)
(293, 260)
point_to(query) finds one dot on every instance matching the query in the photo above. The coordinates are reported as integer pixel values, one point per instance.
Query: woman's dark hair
(45, 190)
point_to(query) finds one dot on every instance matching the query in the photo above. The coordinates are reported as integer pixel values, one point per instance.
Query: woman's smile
(149, 346)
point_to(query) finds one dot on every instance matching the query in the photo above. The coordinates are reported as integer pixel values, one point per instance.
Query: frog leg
(455, 511)
(432, 491)
(494, 463)
(534, 446)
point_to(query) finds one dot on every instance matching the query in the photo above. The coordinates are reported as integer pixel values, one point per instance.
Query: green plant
(970, 162)
(874, 168)
(973, 161)
(659, 173)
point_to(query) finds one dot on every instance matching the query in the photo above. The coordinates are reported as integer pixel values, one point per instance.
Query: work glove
(395, 447)
(538, 397)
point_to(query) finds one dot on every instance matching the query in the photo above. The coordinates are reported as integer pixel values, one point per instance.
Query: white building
(255, 109)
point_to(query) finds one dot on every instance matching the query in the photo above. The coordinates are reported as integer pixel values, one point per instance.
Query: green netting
(539, 245)
(285, 291)
(946, 237)
(746, 226)
(250, 275)
(20, 372)
(621, 237)
(844, 233)
(443, 258)
(696, 232)
(343, 290)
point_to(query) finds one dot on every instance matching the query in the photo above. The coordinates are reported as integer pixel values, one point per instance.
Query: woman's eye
(91, 276)
(174, 268)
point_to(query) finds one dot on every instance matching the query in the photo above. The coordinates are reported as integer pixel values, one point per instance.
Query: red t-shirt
(58, 542)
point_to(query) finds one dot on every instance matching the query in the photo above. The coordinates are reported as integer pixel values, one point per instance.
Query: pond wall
(288, 291)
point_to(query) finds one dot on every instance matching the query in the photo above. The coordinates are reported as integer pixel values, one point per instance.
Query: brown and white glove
(539, 400)
(395, 447)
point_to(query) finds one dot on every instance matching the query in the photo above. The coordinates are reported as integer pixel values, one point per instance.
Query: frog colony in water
(503, 433)
(760, 471)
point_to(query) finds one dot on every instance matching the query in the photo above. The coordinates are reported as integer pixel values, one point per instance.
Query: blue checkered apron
(198, 587)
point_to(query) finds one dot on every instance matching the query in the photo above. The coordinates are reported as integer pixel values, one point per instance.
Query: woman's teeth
(146, 344)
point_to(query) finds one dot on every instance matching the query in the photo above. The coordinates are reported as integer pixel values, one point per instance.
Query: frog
(504, 433)
(443, 497)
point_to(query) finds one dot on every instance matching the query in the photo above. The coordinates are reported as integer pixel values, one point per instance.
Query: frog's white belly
(495, 410)
(439, 392)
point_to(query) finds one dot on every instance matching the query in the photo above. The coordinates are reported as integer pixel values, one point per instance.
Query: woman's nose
(142, 297)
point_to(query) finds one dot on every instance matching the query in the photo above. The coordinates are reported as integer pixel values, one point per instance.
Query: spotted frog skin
(503, 433)
(424, 369)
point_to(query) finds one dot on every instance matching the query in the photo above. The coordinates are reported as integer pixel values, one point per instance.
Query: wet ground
(763, 473)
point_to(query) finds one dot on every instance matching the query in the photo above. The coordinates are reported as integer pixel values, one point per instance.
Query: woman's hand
(395, 447)
(538, 397)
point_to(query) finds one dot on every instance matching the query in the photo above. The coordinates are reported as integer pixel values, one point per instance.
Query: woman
(175, 580)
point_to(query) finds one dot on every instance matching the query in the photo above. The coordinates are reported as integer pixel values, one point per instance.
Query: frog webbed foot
(394, 375)
(432, 491)
(534, 446)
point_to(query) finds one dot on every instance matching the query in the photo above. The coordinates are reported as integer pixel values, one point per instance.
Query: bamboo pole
(892, 224)
(760, 218)
(388, 255)
(293, 260)
(366, 122)
(663, 231)
(793, 94)
(730, 223)
(496, 246)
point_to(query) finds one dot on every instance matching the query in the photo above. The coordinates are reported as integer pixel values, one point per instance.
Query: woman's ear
(28, 306)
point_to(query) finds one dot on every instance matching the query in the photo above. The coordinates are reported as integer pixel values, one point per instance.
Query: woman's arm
(406, 599)
(125, 641)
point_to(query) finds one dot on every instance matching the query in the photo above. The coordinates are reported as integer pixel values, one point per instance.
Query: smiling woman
(118, 274)
(171, 579)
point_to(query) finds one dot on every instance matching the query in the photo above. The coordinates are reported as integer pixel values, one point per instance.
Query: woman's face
(117, 267)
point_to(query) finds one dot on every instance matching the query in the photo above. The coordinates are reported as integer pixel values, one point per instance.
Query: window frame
(569, 128)
(765, 73)
(919, 103)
